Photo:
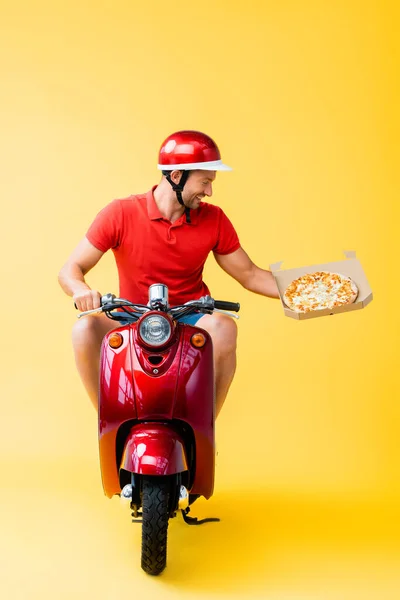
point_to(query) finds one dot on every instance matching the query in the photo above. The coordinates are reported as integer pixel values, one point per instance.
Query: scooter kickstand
(194, 520)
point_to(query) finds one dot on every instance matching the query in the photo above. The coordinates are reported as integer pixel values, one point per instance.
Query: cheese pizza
(319, 290)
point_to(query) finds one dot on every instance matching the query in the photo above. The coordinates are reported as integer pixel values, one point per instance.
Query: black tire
(155, 514)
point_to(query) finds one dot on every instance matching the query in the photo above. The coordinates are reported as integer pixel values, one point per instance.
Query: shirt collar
(154, 212)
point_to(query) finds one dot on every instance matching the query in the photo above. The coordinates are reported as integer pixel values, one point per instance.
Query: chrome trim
(158, 292)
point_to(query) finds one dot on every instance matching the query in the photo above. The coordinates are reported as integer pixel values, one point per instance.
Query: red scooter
(157, 413)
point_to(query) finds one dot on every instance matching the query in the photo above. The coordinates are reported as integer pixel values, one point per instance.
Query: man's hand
(239, 266)
(86, 299)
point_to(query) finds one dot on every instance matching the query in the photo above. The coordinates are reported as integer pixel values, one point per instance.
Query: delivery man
(164, 236)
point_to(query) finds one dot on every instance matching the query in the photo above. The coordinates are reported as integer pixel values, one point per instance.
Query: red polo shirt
(148, 248)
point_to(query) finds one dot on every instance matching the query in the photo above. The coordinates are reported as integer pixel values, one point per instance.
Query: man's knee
(82, 329)
(89, 330)
(223, 331)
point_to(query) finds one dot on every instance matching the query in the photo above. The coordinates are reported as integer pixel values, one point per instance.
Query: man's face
(197, 186)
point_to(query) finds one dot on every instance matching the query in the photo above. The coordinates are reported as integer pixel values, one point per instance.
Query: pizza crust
(320, 290)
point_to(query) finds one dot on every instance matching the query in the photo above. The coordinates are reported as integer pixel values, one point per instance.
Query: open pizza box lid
(350, 266)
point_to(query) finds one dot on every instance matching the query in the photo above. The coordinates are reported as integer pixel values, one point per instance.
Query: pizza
(319, 290)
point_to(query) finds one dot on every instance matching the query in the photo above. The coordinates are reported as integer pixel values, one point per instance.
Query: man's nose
(208, 190)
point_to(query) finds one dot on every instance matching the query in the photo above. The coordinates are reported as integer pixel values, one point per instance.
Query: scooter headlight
(155, 330)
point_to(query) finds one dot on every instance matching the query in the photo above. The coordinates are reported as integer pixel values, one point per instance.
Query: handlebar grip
(222, 305)
(103, 300)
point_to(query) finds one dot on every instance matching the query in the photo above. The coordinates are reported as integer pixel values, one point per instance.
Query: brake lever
(227, 312)
(90, 312)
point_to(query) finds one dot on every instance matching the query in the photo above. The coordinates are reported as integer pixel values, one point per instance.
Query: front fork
(179, 496)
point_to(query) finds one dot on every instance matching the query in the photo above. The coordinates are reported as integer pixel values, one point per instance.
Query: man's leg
(223, 331)
(87, 336)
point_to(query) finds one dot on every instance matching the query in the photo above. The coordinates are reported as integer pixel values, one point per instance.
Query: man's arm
(72, 275)
(240, 267)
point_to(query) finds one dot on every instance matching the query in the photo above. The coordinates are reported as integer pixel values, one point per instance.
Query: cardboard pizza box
(350, 266)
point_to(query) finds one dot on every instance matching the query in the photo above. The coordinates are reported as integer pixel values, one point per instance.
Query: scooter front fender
(154, 449)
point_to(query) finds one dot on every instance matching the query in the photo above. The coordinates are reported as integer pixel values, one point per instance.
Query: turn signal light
(198, 340)
(115, 340)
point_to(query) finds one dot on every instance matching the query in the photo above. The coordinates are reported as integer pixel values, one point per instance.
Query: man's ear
(176, 176)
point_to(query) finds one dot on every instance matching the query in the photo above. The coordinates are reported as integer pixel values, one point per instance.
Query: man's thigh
(93, 325)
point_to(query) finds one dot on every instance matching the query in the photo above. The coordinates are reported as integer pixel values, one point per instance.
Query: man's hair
(166, 173)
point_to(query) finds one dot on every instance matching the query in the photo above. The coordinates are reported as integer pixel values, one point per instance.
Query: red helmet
(189, 150)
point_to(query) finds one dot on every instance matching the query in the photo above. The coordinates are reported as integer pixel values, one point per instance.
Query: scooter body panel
(179, 388)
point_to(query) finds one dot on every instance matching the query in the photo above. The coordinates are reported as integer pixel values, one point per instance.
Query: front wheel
(155, 514)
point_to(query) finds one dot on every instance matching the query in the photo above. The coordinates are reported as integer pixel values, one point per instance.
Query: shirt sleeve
(106, 230)
(228, 240)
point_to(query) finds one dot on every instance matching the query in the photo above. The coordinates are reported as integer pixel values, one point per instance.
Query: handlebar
(205, 304)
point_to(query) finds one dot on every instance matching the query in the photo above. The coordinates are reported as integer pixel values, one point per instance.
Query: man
(164, 236)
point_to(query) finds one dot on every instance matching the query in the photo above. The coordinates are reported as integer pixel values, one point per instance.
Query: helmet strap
(178, 189)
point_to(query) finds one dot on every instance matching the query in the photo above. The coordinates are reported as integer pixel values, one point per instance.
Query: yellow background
(302, 98)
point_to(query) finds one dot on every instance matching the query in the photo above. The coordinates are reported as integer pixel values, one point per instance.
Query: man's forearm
(262, 282)
(72, 280)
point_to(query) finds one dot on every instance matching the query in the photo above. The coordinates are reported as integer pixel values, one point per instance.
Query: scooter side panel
(116, 405)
